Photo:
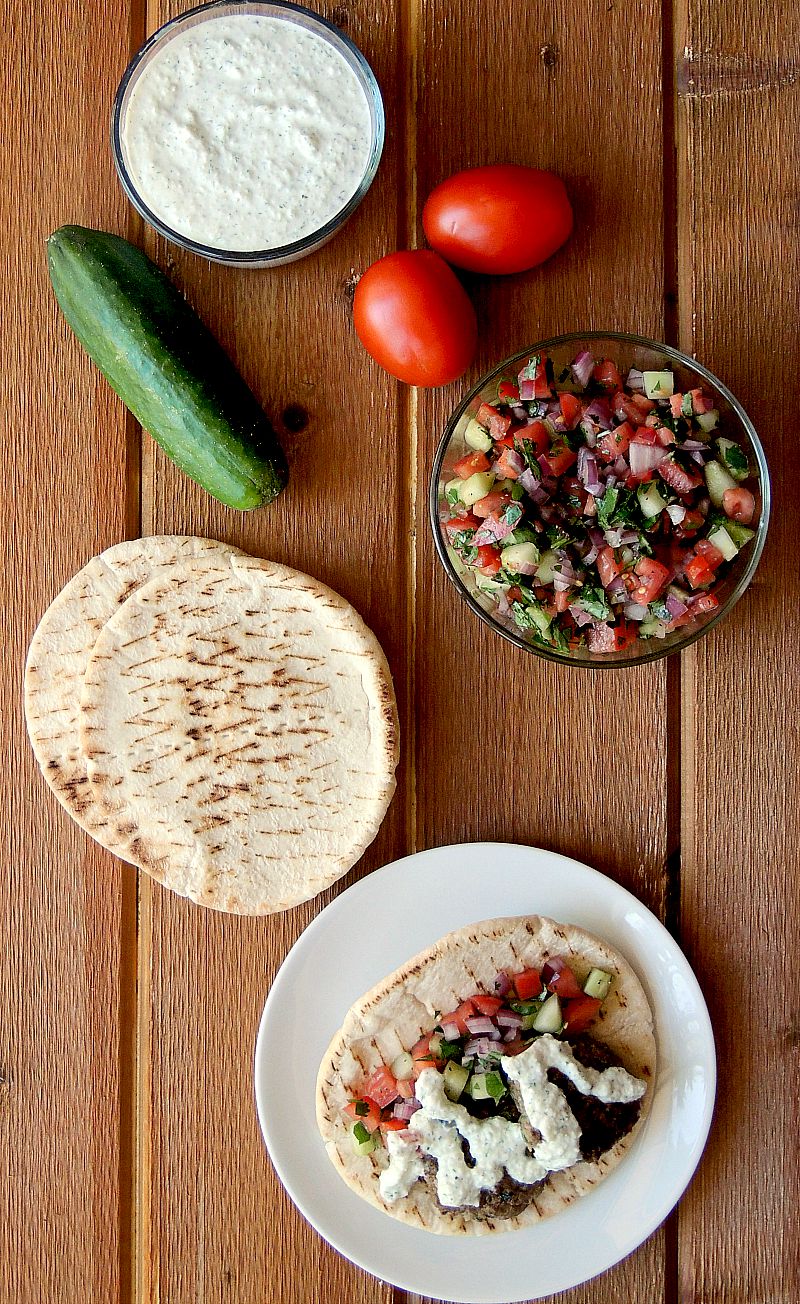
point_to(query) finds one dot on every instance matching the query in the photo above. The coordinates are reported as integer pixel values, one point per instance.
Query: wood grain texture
(590, 776)
(68, 908)
(739, 157)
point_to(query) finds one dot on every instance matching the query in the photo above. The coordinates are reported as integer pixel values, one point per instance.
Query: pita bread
(60, 651)
(240, 729)
(398, 1011)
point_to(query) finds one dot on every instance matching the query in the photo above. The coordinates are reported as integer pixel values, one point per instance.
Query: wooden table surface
(132, 1164)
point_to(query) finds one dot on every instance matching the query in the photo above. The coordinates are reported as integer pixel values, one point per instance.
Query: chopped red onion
(511, 1035)
(695, 445)
(533, 486)
(674, 605)
(591, 556)
(503, 605)
(616, 589)
(406, 1109)
(491, 531)
(480, 1046)
(580, 616)
(582, 368)
(703, 506)
(621, 467)
(676, 512)
(597, 537)
(526, 388)
(599, 410)
(613, 537)
(519, 412)
(480, 1026)
(502, 983)
(644, 457)
(698, 457)
(451, 1031)
(522, 567)
(628, 536)
(635, 380)
(514, 460)
(508, 1019)
(635, 611)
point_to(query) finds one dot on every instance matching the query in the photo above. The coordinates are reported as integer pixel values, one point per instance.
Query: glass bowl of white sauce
(248, 131)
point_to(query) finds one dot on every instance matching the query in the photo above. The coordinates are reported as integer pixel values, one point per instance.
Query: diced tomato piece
(405, 1087)
(515, 1047)
(562, 599)
(704, 602)
(653, 577)
(504, 466)
(466, 1009)
(608, 568)
(528, 984)
(381, 1086)
(606, 374)
(508, 391)
(371, 1118)
(422, 1057)
(485, 414)
(739, 505)
(560, 459)
(493, 502)
(539, 387)
(559, 978)
(538, 433)
(488, 1005)
(459, 523)
(514, 594)
(579, 1013)
(698, 572)
(488, 562)
(627, 410)
(625, 633)
(470, 463)
(615, 442)
(700, 403)
(644, 404)
(393, 1124)
(713, 556)
(665, 436)
(646, 435)
(685, 618)
(590, 506)
(571, 409)
(683, 482)
(675, 404)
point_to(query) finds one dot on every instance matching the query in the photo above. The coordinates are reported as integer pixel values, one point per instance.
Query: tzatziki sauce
(246, 132)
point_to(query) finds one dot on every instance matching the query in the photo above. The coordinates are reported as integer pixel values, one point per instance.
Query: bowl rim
(653, 653)
(278, 253)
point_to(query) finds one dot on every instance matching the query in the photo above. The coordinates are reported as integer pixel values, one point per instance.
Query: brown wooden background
(132, 1166)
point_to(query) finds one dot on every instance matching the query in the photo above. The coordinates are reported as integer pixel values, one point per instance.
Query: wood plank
(216, 1223)
(589, 779)
(739, 269)
(68, 907)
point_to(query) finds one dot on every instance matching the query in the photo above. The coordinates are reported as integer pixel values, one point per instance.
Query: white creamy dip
(246, 132)
(496, 1144)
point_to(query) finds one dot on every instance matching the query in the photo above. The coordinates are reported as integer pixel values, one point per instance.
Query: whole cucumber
(166, 366)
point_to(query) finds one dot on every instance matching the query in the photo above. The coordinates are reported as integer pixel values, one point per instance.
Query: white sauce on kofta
(496, 1144)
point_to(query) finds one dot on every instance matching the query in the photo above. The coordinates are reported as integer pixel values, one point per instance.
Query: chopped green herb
(362, 1108)
(452, 496)
(529, 370)
(593, 601)
(511, 514)
(360, 1133)
(527, 450)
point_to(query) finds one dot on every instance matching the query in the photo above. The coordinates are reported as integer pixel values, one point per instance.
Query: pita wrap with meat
(404, 1007)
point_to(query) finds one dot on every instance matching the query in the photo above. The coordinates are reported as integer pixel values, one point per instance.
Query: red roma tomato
(413, 317)
(498, 219)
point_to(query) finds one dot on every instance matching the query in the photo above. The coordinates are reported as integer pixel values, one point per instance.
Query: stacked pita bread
(225, 723)
(407, 1004)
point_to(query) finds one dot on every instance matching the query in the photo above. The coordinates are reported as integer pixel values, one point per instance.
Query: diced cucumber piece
(733, 459)
(477, 437)
(719, 481)
(364, 1142)
(598, 984)
(546, 569)
(477, 486)
(487, 584)
(455, 1079)
(741, 534)
(520, 554)
(722, 540)
(452, 492)
(650, 500)
(708, 421)
(539, 618)
(477, 1087)
(687, 406)
(651, 627)
(435, 1046)
(658, 384)
(403, 1067)
(549, 1017)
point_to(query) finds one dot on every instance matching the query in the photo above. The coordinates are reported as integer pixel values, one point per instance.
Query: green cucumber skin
(166, 366)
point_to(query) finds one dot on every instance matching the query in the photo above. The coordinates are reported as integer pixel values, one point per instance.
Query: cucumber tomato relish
(598, 510)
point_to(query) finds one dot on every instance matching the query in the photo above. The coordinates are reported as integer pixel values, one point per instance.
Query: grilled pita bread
(240, 730)
(398, 1011)
(60, 651)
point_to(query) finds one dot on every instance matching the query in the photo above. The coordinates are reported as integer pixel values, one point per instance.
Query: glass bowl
(290, 13)
(626, 351)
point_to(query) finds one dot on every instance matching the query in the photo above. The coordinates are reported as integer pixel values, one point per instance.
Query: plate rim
(344, 901)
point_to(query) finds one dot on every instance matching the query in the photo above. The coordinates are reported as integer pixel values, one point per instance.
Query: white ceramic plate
(373, 928)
